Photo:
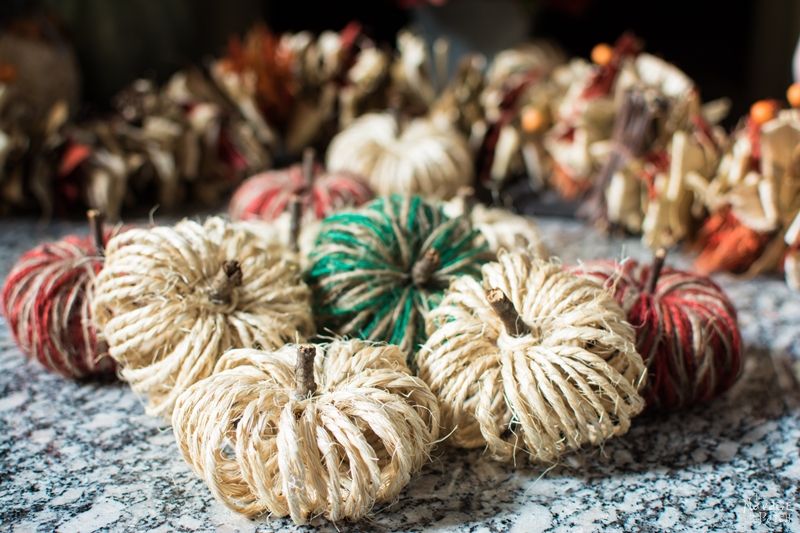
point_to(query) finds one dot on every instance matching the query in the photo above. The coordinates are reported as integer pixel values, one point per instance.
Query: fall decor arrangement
(433, 308)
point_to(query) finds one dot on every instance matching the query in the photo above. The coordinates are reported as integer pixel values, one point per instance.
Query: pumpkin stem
(467, 196)
(504, 309)
(96, 220)
(295, 213)
(228, 278)
(655, 269)
(423, 269)
(308, 168)
(304, 371)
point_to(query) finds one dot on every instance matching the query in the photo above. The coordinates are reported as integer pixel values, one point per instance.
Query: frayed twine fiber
(376, 272)
(534, 359)
(171, 300)
(46, 301)
(308, 430)
(419, 157)
(686, 329)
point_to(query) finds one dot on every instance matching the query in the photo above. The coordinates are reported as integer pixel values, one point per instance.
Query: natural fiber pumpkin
(413, 157)
(533, 360)
(171, 300)
(686, 329)
(46, 300)
(308, 430)
(502, 229)
(377, 271)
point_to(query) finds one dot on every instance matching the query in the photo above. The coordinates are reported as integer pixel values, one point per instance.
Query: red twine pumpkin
(686, 329)
(46, 302)
(268, 194)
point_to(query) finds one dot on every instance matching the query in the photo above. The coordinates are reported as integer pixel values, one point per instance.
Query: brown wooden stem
(295, 214)
(304, 371)
(308, 169)
(423, 269)
(96, 220)
(655, 270)
(468, 200)
(228, 278)
(504, 309)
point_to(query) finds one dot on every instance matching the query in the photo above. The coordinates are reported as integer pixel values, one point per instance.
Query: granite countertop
(84, 457)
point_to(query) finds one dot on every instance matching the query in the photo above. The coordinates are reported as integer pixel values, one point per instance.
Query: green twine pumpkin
(377, 271)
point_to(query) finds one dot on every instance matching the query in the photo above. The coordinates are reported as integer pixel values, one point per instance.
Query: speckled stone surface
(84, 457)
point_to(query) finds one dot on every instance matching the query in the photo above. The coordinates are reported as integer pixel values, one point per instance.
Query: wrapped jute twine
(502, 229)
(266, 196)
(46, 300)
(377, 271)
(171, 300)
(533, 360)
(420, 157)
(308, 430)
(686, 329)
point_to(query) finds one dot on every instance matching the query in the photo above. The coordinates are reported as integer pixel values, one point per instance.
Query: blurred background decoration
(134, 103)
(739, 48)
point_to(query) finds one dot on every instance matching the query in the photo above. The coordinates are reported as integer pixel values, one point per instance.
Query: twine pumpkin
(686, 329)
(376, 272)
(46, 300)
(295, 433)
(534, 359)
(417, 157)
(267, 195)
(171, 300)
(502, 229)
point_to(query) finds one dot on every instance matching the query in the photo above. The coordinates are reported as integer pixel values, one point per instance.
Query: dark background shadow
(738, 48)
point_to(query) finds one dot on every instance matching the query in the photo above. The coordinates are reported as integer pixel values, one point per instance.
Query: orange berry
(532, 119)
(793, 94)
(8, 72)
(763, 111)
(602, 54)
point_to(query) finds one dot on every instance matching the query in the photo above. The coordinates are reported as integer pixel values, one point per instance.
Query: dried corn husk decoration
(754, 198)
(516, 103)
(791, 263)
(39, 91)
(585, 115)
(165, 145)
(660, 135)
(413, 83)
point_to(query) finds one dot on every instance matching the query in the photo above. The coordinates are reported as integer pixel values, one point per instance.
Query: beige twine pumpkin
(502, 229)
(308, 430)
(533, 359)
(420, 157)
(171, 300)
